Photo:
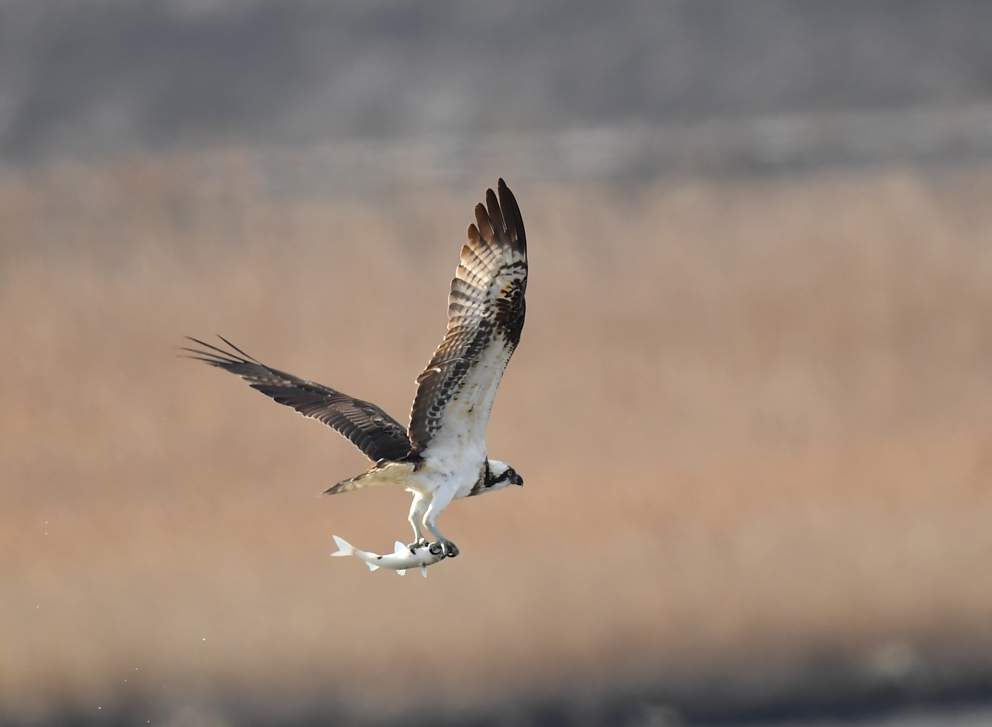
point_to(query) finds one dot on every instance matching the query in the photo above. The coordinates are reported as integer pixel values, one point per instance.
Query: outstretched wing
(485, 318)
(365, 425)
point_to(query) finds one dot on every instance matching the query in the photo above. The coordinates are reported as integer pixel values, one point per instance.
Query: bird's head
(500, 475)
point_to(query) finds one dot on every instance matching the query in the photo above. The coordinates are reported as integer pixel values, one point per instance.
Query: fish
(400, 560)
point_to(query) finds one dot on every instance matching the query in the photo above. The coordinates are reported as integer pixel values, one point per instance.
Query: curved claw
(417, 544)
(449, 549)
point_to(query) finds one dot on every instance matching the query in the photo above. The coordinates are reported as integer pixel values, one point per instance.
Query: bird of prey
(442, 455)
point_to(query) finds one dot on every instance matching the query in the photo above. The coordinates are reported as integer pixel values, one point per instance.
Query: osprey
(442, 455)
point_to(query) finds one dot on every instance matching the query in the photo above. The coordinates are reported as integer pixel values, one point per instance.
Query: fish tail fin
(344, 547)
(423, 571)
(401, 571)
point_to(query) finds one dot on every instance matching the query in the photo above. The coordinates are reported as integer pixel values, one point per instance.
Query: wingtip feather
(495, 214)
(512, 218)
(485, 226)
(249, 358)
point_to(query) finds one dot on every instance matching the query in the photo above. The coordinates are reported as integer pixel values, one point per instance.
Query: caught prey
(399, 560)
(442, 455)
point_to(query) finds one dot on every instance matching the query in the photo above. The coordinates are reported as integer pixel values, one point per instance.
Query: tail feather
(383, 472)
(344, 547)
(352, 483)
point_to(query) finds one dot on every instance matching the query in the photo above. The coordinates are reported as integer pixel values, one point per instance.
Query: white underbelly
(455, 475)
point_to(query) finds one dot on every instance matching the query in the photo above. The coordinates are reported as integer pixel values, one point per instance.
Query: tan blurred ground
(754, 418)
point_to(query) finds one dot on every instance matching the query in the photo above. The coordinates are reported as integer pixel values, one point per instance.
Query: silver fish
(399, 560)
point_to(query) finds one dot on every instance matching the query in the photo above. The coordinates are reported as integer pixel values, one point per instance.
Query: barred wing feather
(485, 317)
(364, 424)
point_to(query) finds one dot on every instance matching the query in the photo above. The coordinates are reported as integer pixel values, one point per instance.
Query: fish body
(400, 560)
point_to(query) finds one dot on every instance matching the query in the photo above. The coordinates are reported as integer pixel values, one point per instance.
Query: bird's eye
(510, 473)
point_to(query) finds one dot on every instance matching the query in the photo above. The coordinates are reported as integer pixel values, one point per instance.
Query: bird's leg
(417, 510)
(437, 504)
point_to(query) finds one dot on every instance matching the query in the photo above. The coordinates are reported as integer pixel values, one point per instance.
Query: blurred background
(752, 403)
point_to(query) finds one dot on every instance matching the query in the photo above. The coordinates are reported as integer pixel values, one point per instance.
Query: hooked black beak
(517, 480)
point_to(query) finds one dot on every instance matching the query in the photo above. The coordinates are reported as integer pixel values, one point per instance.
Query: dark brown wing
(485, 318)
(365, 425)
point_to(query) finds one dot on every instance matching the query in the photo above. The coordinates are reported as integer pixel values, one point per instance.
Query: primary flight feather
(442, 455)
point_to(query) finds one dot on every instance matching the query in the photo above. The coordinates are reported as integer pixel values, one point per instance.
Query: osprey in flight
(442, 455)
